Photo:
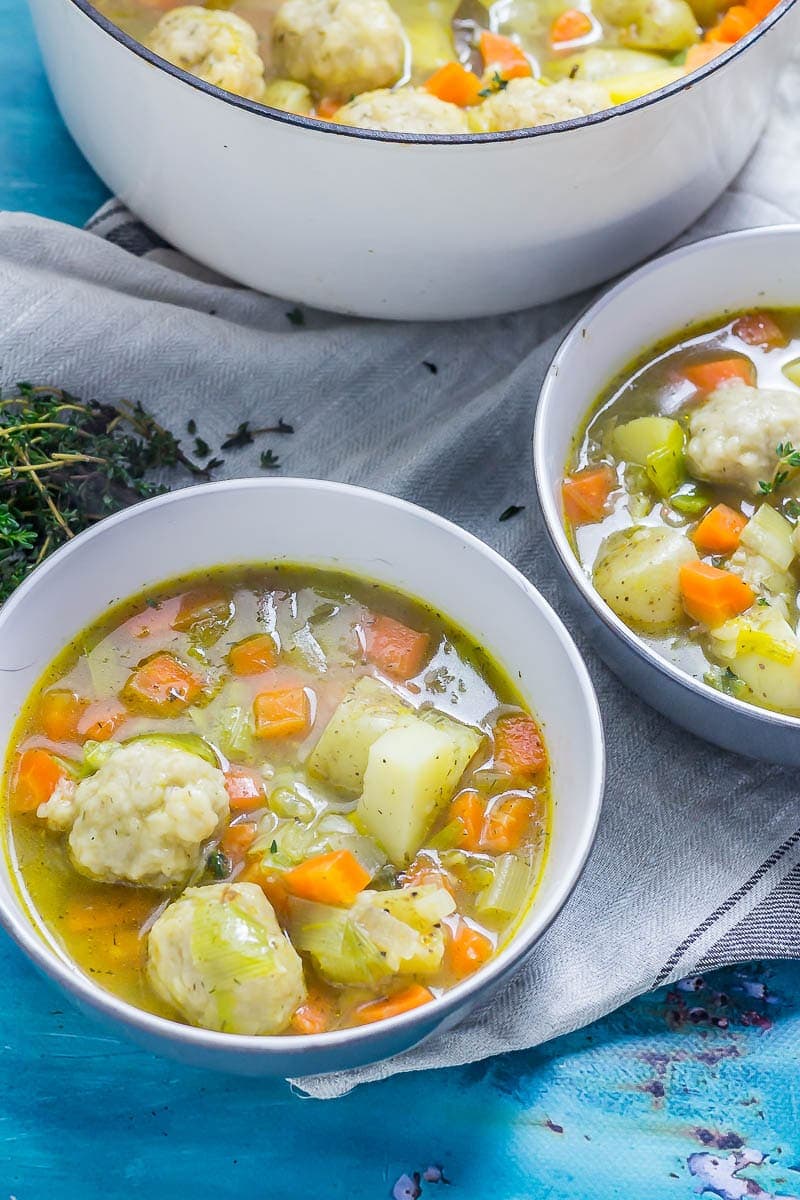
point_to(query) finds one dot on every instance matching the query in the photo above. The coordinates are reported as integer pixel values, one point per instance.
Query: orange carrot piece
(701, 53)
(155, 618)
(59, 713)
(711, 595)
(518, 745)
(585, 494)
(285, 712)
(760, 329)
(424, 870)
(761, 8)
(272, 885)
(120, 907)
(102, 720)
(736, 22)
(327, 108)
(506, 824)
(204, 604)
(237, 839)
(163, 683)
(254, 655)
(455, 84)
(467, 950)
(245, 790)
(37, 775)
(392, 1006)
(333, 878)
(503, 55)
(719, 531)
(570, 26)
(315, 1014)
(707, 376)
(395, 649)
(468, 810)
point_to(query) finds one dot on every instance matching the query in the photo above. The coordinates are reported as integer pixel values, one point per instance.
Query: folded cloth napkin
(697, 861)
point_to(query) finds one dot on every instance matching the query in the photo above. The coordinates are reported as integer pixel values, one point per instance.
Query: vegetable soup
(439, 66)
(277, 800)
(683, 501)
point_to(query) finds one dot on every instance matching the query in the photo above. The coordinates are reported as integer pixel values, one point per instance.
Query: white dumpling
(216, 46)
(734, 435)
(526, 103)
(407, 110)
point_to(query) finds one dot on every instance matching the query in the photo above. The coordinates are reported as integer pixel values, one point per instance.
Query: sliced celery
(475, 871)
(756, 641)
(771, 535)
(341, 952)
(692, 500)
(509, 892)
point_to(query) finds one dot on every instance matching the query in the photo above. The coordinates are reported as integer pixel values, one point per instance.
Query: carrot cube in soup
(518, 745)
(254, 655)
(395, 649)
(468, 949)
(713, 596)
(585, 494)
(707, 376)
(285, 712)
(272, 885)
(237, 839)
(163, 684)
(455, 84)
(244, 789)
(503, 55)
(59, 713)
(334, 878)
(101, 721)
(315, 1014)
(205, 606)
(506, 824)
(392, 1006)
(37, 776)
(719, 531)
(468, 810)
(570, 26)
(760, 329)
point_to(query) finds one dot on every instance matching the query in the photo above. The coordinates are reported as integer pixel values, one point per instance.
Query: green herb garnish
(269, 461)
(788, 463)
(511, 511)
(498, 84)
(295, 316)
(219, 864)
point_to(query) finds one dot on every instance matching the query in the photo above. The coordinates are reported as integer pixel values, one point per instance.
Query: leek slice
(509, 892)
(770, 534)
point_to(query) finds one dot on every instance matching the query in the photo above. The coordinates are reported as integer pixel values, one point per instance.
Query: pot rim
(427, 139)
(553, 523)
(15, 920)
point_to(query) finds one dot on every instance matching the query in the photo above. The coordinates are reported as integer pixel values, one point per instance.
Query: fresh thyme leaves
(219, 864)
(511, 511)
(432, 367)
(788, 463)
(295, 316)
(201, 448)
(245, 435)
(66, 463)
(191, 427)
(498, 84)
(274, 847)
(269, 461)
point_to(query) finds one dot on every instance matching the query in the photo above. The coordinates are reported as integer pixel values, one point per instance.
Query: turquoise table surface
(683, 1091)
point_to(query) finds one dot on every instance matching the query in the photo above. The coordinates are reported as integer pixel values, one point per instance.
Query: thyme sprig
(788, 464)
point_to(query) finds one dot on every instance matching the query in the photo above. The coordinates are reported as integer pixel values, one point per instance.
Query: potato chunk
(637, 574)
(368, 710)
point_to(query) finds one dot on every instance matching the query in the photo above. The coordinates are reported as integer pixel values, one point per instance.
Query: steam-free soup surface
(277, 801)
(439, 66)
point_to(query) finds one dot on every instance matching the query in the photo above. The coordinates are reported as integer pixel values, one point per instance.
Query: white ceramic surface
(748, 269)
(388, 540)
(404, 226)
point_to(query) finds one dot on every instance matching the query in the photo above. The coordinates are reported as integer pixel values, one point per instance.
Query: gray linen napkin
(697, 861)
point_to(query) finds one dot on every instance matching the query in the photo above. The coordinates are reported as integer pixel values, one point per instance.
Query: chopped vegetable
(254, 655)
(770, 534)
(792, 371)
(237, 839)
(101, 720)
(467, 813)
(701, 54)
(395, 649)
(59, 713)
(204, 613)
(706, 376)
(720, 530)
(624, 88)
(691, 500)
(585, 494)
(245, 790)
(393, 1006)
(507, 821)
(315, 1014)
(468, 949)
(283, 713)
(455, 84)
(190, 743)
(711, 595)
(326, 110)
(368, 709)
(518, 745)
(37, 776)
(570, 26)
(117, 907)
(737, 21)
(759, 329)
(503, 55)
(334, 878)
(162, 684)
(509, 891)
(655, 443)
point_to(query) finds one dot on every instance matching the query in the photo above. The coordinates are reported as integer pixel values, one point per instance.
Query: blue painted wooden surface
(677, 1092)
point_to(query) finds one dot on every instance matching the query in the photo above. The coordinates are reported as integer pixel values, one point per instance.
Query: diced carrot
(570, 26)
(254, 655)
(244, 788)
(701, 53)
(760, 329)
(585, 494)
(395, 649)
(711, 595)
(37, 775)
(719, 531)
(155, 618)
(333, 878)
(272, 885)
(392, 1006)
(503, 55)
(707, 376)
(119, 907)
(761, 8)
(455, 84)
(506, 824)
(467, 809)
(425, 871)
(204, 604)
(59, 713)
(467, 950)
(102, 720)
(315, 1014)
(736, 22)
(285, 712)
(327, 108)
(163, 683)
(237, 839)
(518, 745)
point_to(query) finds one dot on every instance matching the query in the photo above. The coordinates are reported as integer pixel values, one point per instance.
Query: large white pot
(404, 226)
